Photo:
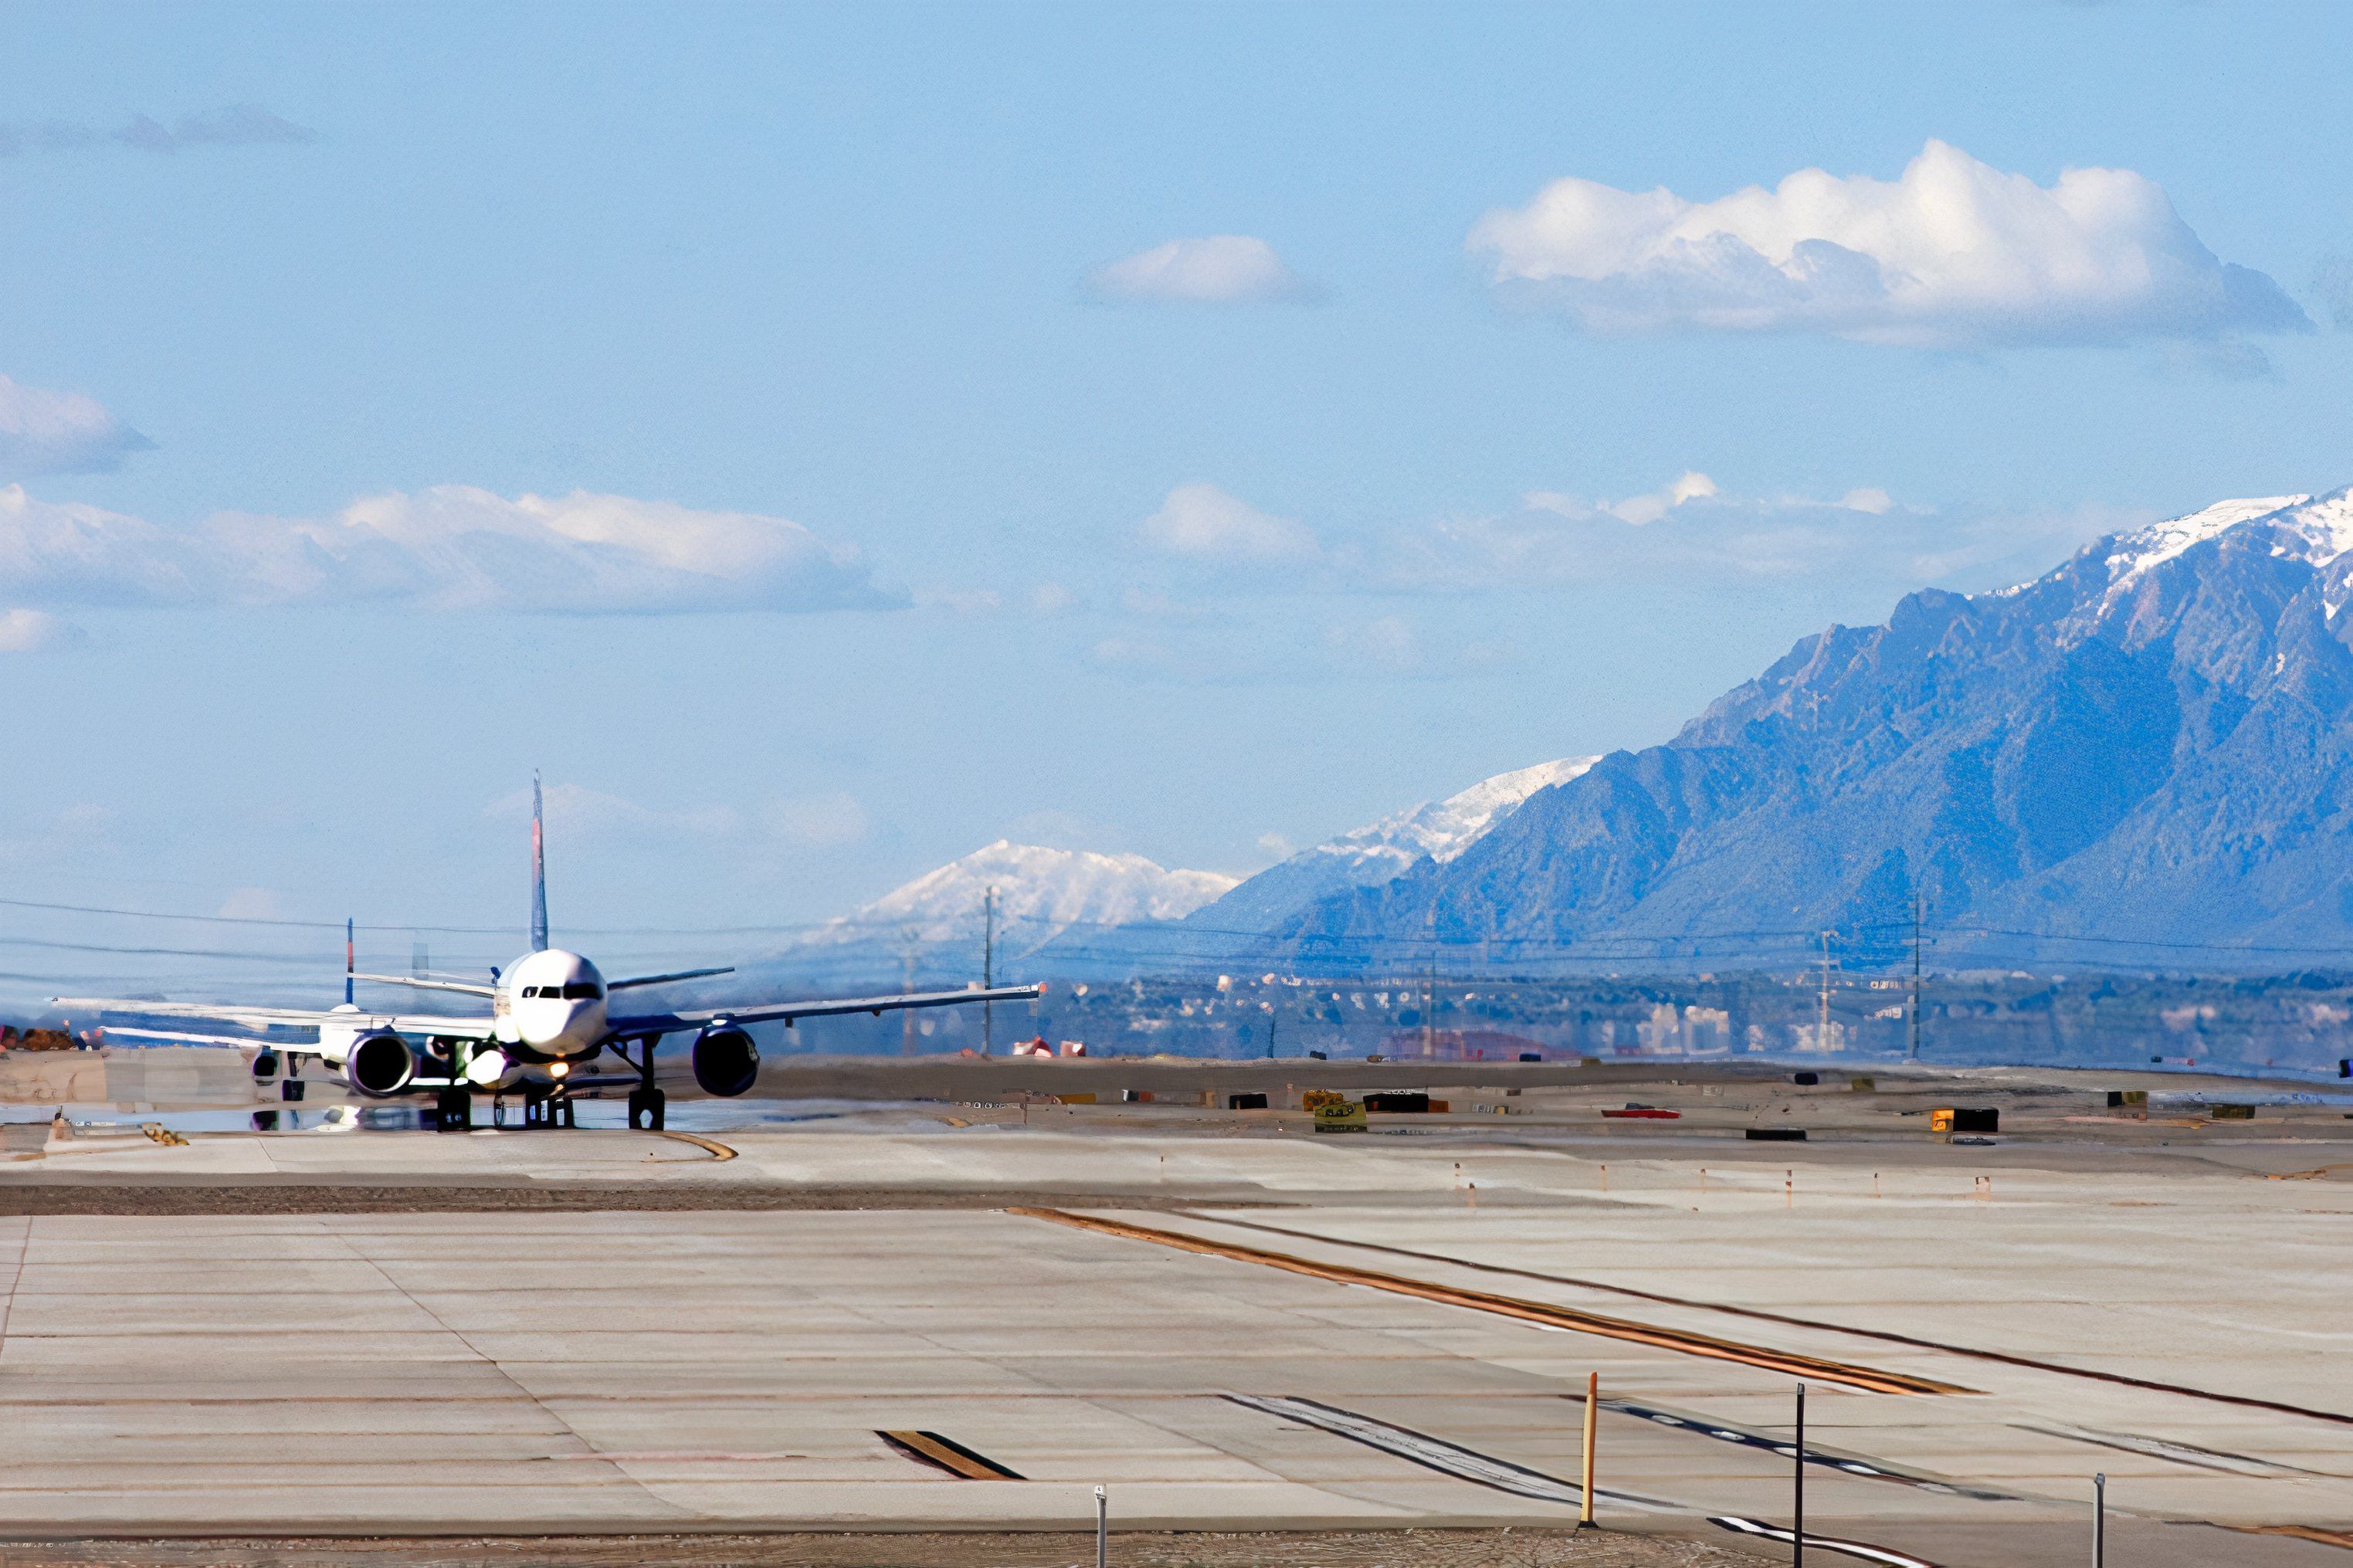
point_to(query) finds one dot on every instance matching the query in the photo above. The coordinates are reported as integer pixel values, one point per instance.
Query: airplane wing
(418, 982)
(268, 1017)
(771, 1012)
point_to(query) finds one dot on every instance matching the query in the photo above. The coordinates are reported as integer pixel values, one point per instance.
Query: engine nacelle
(726, 1062)
(380, 1065)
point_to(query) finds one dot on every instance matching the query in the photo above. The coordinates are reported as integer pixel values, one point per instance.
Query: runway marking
(2178, 1453)
(947, 1454)
(1886, 1336)
(1724, 1432)
(1437, 1453)
(1570, 1318)
(719, 1152)
(1869, 1554)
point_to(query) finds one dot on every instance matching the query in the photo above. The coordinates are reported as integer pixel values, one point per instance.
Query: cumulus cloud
(1200, 521)
(235, 125)
(1217, 270)
(1953, 254)
(44, 432)
(32, 631)
(451, 547)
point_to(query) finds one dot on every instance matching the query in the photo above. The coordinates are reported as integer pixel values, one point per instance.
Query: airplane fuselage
(549, 1006)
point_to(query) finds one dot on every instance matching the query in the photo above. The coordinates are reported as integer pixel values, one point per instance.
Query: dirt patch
(1322, 1549)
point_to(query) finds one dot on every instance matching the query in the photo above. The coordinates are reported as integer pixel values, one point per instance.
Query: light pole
(1798, 1524)
(1103, 1529)
(2099, 1521)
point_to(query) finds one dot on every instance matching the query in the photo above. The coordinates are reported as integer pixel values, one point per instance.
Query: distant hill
(2152, 744)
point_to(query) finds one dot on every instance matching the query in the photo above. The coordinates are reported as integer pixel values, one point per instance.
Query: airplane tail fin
(349, 962)
(538, 873)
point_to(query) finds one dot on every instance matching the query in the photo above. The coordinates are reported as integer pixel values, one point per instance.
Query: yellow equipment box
(1341, 1116)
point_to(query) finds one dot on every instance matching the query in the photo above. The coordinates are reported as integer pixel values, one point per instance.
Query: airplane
(552, 1014)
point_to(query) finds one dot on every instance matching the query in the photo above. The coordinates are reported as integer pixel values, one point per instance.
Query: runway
(1976, 1340)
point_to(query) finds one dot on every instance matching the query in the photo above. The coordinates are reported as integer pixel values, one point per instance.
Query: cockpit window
(583, 990)
(529, 991)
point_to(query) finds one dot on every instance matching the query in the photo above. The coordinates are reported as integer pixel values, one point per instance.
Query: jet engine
(380, 1065)
(725, 1061)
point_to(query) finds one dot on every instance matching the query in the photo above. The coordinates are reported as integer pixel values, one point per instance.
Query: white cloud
(1554, 540)
(1953, 254)
(1217, 270)
(44, 432)
(30, 631)
(1203, 522)
(1637, 510)
(576, 812)
(236, 125)
(818, 822)
(1388, 642)
(252, 904)
(451, 547)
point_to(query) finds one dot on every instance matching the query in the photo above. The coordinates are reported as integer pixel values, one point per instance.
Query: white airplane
(551, 1015)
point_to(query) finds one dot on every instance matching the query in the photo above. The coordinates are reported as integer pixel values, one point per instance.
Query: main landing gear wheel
(646, 1109)
(456, 1110)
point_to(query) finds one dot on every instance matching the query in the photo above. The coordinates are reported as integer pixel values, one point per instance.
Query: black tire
(646, 1109)
(457, 1109)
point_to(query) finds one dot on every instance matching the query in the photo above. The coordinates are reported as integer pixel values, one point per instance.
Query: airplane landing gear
(646, 1109)
(455, 1109)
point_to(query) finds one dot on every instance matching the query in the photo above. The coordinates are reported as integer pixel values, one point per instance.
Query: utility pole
(1917, 902)
(1429, 1000)
(988, 969)
(907, 1015)
(1822, 1015)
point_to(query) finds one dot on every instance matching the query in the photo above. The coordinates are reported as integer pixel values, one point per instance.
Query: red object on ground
(1646, 1114)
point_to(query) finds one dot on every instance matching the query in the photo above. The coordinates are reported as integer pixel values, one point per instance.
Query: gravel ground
(1333, 1549)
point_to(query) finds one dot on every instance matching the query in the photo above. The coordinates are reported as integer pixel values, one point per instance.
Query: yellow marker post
(1592, 1414)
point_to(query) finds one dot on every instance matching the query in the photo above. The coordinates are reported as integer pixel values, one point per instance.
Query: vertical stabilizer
(538, 873)
(350, 961)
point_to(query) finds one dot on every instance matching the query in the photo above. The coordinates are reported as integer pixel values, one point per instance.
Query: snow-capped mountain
(1437, 831)
(936, 923)
(1040, 893)
(2152, 742)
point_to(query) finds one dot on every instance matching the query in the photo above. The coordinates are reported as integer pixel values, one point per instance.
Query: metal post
(988, 970)
(1102, 1530)
(1797, 1526)
(1918, 912)
(1592, 1410)
(2099, 1521)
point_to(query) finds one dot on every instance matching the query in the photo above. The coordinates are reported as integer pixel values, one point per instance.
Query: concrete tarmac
(2167, 1316)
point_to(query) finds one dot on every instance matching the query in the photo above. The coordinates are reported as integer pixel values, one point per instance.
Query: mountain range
(2145, 753)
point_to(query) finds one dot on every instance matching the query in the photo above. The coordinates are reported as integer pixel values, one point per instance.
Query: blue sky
(825, 440)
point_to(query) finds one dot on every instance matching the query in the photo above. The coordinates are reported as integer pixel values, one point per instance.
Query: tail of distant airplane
(538, 874)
